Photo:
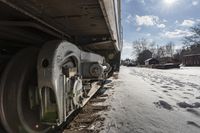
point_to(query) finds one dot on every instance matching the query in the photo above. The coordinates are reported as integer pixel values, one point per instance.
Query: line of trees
(144, 49)
(191, 44)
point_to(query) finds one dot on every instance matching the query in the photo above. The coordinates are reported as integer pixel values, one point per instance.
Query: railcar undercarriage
(37, 98)
(43, 81)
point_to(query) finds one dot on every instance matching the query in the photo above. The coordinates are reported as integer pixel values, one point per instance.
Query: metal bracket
(51, 59)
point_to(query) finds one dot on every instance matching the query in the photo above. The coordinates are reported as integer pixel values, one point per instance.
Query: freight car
(54, 54)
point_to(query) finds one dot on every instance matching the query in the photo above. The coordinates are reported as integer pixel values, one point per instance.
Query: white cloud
(149, 20)
(198, 20)
(188, 23)
(161, 26)
(142, 1)
(129, 18)
(138, 29)
(165, 21)
(148, 34)
(150, 40)
(178, 46)
(176, 22)
(194, 3)
(177, 33)
(127, 50)
(146, 20)
(127, 45)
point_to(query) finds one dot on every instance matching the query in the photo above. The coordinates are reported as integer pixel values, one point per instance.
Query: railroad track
(96, 95)
(83, 119)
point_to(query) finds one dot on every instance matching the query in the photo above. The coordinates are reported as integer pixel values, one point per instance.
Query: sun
(169, 2)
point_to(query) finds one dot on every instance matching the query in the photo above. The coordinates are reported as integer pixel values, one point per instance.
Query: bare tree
(177, 55)
(193, 39)
(152, 47)
(161, 52)
(169, 49)
(144, 55)
(141, 45)
(192, 43)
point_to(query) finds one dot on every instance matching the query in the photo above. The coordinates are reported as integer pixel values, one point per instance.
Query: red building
(191, 60)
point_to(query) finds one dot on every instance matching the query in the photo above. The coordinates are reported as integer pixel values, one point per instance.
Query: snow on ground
(154, 101)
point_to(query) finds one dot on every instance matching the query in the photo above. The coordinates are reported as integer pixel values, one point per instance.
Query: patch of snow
(148, 101)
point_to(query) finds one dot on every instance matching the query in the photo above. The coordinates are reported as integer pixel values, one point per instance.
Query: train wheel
(20, 108)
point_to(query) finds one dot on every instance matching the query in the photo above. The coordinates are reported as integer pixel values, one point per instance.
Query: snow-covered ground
(154, 101)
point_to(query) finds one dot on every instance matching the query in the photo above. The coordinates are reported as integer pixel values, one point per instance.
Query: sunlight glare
(169, 2)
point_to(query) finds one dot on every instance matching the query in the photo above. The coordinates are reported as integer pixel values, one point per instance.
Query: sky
(161, 21)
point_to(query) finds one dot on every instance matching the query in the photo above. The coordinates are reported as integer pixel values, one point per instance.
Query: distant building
(164, 60)
(191, 60)
(151, 61)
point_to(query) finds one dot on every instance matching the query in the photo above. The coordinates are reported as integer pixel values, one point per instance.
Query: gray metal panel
(75, 17)
(91, 57)
(112, 15)
(85, 21)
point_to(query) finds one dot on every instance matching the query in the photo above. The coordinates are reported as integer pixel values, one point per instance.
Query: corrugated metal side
(112, 14)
